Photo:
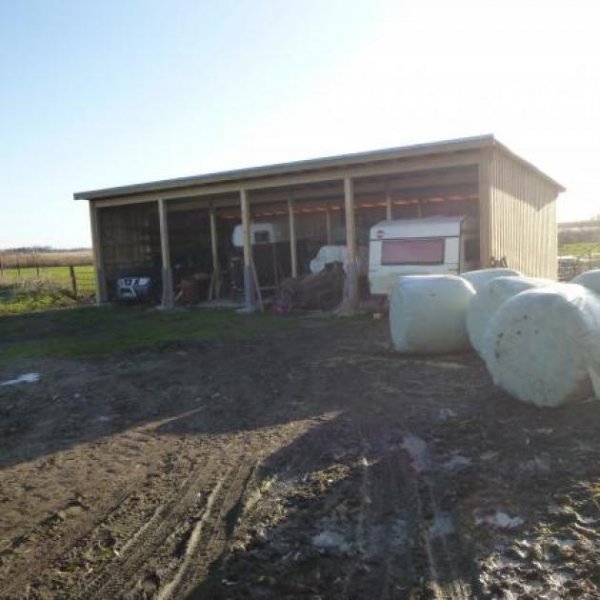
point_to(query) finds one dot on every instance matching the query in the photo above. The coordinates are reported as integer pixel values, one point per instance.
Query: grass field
(579, 249)
(24, 290)
(93, 331)
(84, 275)
(10, 259)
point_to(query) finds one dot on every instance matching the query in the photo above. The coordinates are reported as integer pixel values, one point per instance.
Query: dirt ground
(307, 463)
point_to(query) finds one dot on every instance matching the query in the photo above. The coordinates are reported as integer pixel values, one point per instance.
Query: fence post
(73, 279)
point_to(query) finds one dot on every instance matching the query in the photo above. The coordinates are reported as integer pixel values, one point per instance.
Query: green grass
(84, 275)
(31, 295)
(96, 332)
(579, 249)
(26, 291)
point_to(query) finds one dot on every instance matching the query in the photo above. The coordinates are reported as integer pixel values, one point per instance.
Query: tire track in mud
(184, 536)
(211, 532)
(23, 572)
(441, 561)
(407, 544)
(383, 566)
(113, 582)
(182, 519)
(57, 537)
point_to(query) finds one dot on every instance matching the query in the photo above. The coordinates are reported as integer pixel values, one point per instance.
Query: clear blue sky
(97, 94)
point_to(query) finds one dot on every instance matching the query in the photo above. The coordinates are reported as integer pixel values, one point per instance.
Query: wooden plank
(397, 167)
(293, 247)
(167, 273)
(246, 227)
(101, 293)
(350, 303)
(249, 274)
(485, 232)
(215, 282)
(328, 227)
(388, 203)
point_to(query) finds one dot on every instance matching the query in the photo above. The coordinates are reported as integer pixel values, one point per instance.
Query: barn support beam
(215, 280)
(485, 209)
(328, 228)
(388, 203)
(165, 252)
(101, 288)
(249, 287)
(293, 247)
(350, 302)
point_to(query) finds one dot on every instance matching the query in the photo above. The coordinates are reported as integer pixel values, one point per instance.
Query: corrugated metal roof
(317, 164)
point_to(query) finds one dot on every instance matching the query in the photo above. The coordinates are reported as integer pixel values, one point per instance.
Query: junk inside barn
(251, 234)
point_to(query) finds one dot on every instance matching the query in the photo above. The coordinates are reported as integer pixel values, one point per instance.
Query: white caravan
(261, 233)
(420, 246)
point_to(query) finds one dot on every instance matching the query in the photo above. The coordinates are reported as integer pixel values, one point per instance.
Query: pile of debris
(313, 291)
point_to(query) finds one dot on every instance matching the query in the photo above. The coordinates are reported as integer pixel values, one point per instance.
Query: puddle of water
(25, 378)
(458, 461)
(330, 540)
(417, 450)
(442, 525)
(501, 520)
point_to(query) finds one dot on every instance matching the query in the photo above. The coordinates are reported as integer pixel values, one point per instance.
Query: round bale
(589, 279)
(480, 277)
(428, 314)
(543, 345)
(490, 296)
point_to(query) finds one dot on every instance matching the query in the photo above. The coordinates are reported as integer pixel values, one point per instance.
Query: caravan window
(412, 252)
(262, 237)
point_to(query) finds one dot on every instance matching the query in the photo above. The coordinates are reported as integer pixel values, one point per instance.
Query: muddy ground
(310, 463)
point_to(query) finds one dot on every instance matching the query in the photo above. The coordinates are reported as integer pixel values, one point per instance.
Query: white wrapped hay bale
(543, 345)
(428, 314)
(480, 277)
(589, 279)
(490, 296)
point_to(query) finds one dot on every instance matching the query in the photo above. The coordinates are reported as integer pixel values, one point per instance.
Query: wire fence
(79, 280)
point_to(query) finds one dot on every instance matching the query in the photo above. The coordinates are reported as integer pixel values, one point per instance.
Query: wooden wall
(522, 217)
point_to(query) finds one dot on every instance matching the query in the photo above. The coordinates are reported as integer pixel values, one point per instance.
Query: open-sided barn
(183, 227)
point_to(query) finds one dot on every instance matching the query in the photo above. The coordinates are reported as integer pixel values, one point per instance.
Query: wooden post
(249, 291)
(73, 280)
(485, 209)
(37, 264)
(328, 227)
(101, 295)
(388, 203)
(167, 272)
(293, 249)
(350, 303)
(215, 281)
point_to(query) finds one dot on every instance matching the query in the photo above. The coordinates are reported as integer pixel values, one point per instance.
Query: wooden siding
(521, 218)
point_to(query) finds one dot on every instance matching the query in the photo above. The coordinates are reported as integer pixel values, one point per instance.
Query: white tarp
(589, 279)
(331, 254)
(480, 277)
(428, 313)
(543, 345)
(488, 300)
(327, 255)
